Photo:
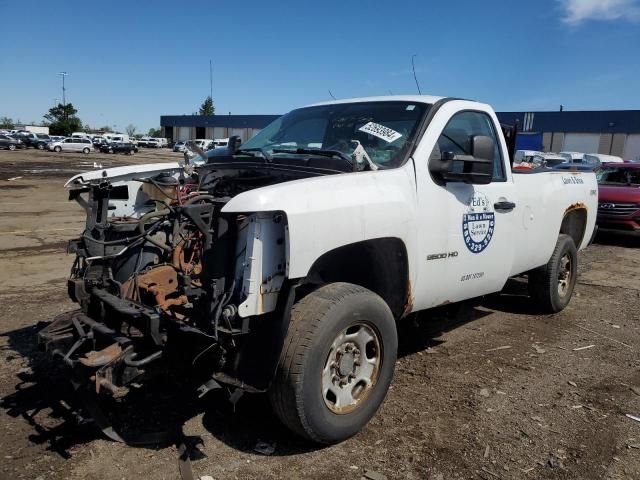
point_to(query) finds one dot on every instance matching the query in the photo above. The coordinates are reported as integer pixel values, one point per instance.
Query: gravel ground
(486, 389)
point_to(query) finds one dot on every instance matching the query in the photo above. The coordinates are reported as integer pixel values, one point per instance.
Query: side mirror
(476, 168)
(234, 144)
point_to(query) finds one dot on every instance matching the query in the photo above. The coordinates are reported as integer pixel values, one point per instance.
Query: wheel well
(381, 265)
(574, 223)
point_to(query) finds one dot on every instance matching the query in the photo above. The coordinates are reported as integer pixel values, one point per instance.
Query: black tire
(318, 321)
(12, 147)
(40, 146)
(132, 151)
(551, 285)
(57, 149)
(86, 151)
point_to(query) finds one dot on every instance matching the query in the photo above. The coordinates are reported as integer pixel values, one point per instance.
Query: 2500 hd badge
(478, 224)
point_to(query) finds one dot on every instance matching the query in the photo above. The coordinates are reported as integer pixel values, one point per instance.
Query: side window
(68, 140)
(458, 134)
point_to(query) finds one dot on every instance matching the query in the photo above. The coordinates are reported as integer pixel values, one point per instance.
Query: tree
(154, 132)
(63, 120)
(131, 129)
(105, 129)
(6, 122)
(207, 107)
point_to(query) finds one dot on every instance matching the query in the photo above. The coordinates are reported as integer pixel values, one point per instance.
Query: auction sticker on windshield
(385, 133)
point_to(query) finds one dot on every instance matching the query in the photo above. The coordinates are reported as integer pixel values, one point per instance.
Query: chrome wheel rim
(564, 275)
(352, 368)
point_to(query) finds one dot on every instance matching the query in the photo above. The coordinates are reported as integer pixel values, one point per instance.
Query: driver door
(475, 248)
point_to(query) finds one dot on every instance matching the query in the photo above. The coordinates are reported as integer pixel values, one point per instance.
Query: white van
(204, 143)
(117, 137)
(221, 143)
(80, 135)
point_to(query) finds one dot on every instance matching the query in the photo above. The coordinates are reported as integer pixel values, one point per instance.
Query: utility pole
(64, 94)
(64, 90)
(210, 79)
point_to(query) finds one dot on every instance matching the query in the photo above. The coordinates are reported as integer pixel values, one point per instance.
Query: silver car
(71, 144)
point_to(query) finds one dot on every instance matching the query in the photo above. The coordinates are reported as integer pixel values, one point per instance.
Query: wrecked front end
(167, 281)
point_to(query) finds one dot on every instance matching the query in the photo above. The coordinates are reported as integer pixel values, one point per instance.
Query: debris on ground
(504, 347)
(583, 348)
(633, 417)
(484, 392)
(635, 390)
(264, 448)
(539, 349)
(485, 470)
(373, 475)
(14, 178)
(573, 384)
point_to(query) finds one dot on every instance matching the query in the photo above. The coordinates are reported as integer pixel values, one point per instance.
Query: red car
(619, 197)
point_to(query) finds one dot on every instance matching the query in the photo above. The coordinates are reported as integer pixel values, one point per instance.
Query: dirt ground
(487, 389)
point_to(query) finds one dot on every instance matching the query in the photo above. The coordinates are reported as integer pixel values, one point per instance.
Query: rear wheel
(57, 149)
(551, 285)
(85, 150)
(40, 146)
(12, 147)
(337, 363)
(132, 151)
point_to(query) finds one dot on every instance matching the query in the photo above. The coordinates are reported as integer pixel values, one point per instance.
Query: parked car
(142, 142)
(10, 143)
(599, 158)
(290, 274)
(153, 143)
(71, 144)
(98, 141)
(572, 156)
(179, 146)
(117, 147)
(29, 139)
(43, 141)
(203, 143)
(521, 156)
(221, 143)
(619, 197)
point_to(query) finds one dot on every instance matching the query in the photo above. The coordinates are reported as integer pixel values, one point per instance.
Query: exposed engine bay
(164, 278)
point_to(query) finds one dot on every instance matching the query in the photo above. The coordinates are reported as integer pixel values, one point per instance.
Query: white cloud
(578, 11)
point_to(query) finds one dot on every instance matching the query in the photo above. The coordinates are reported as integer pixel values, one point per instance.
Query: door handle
(504, 206)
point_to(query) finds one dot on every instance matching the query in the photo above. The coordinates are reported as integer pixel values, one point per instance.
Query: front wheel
(40, 146)
(57, 149)
(551, 285)
(12, 147)
(85, 151)
(336, 364)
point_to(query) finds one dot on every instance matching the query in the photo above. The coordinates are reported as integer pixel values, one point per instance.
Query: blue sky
(130, 62)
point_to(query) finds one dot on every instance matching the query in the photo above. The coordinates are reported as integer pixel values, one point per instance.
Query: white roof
(386, 98)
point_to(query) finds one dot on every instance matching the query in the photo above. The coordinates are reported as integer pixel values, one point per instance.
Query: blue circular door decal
(479, 223)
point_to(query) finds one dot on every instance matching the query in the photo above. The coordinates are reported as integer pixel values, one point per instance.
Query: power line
(413, 65)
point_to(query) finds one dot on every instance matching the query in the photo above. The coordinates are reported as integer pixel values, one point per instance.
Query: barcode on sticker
(385, 133)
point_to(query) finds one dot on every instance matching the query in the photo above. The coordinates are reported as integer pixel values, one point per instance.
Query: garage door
(183, 134)
(632, 148)
(581, 142)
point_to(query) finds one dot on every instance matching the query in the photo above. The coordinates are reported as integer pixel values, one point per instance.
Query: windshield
(384, 129)
(619, 176)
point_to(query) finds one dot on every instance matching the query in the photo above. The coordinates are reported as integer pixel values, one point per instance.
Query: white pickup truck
(283, 265)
